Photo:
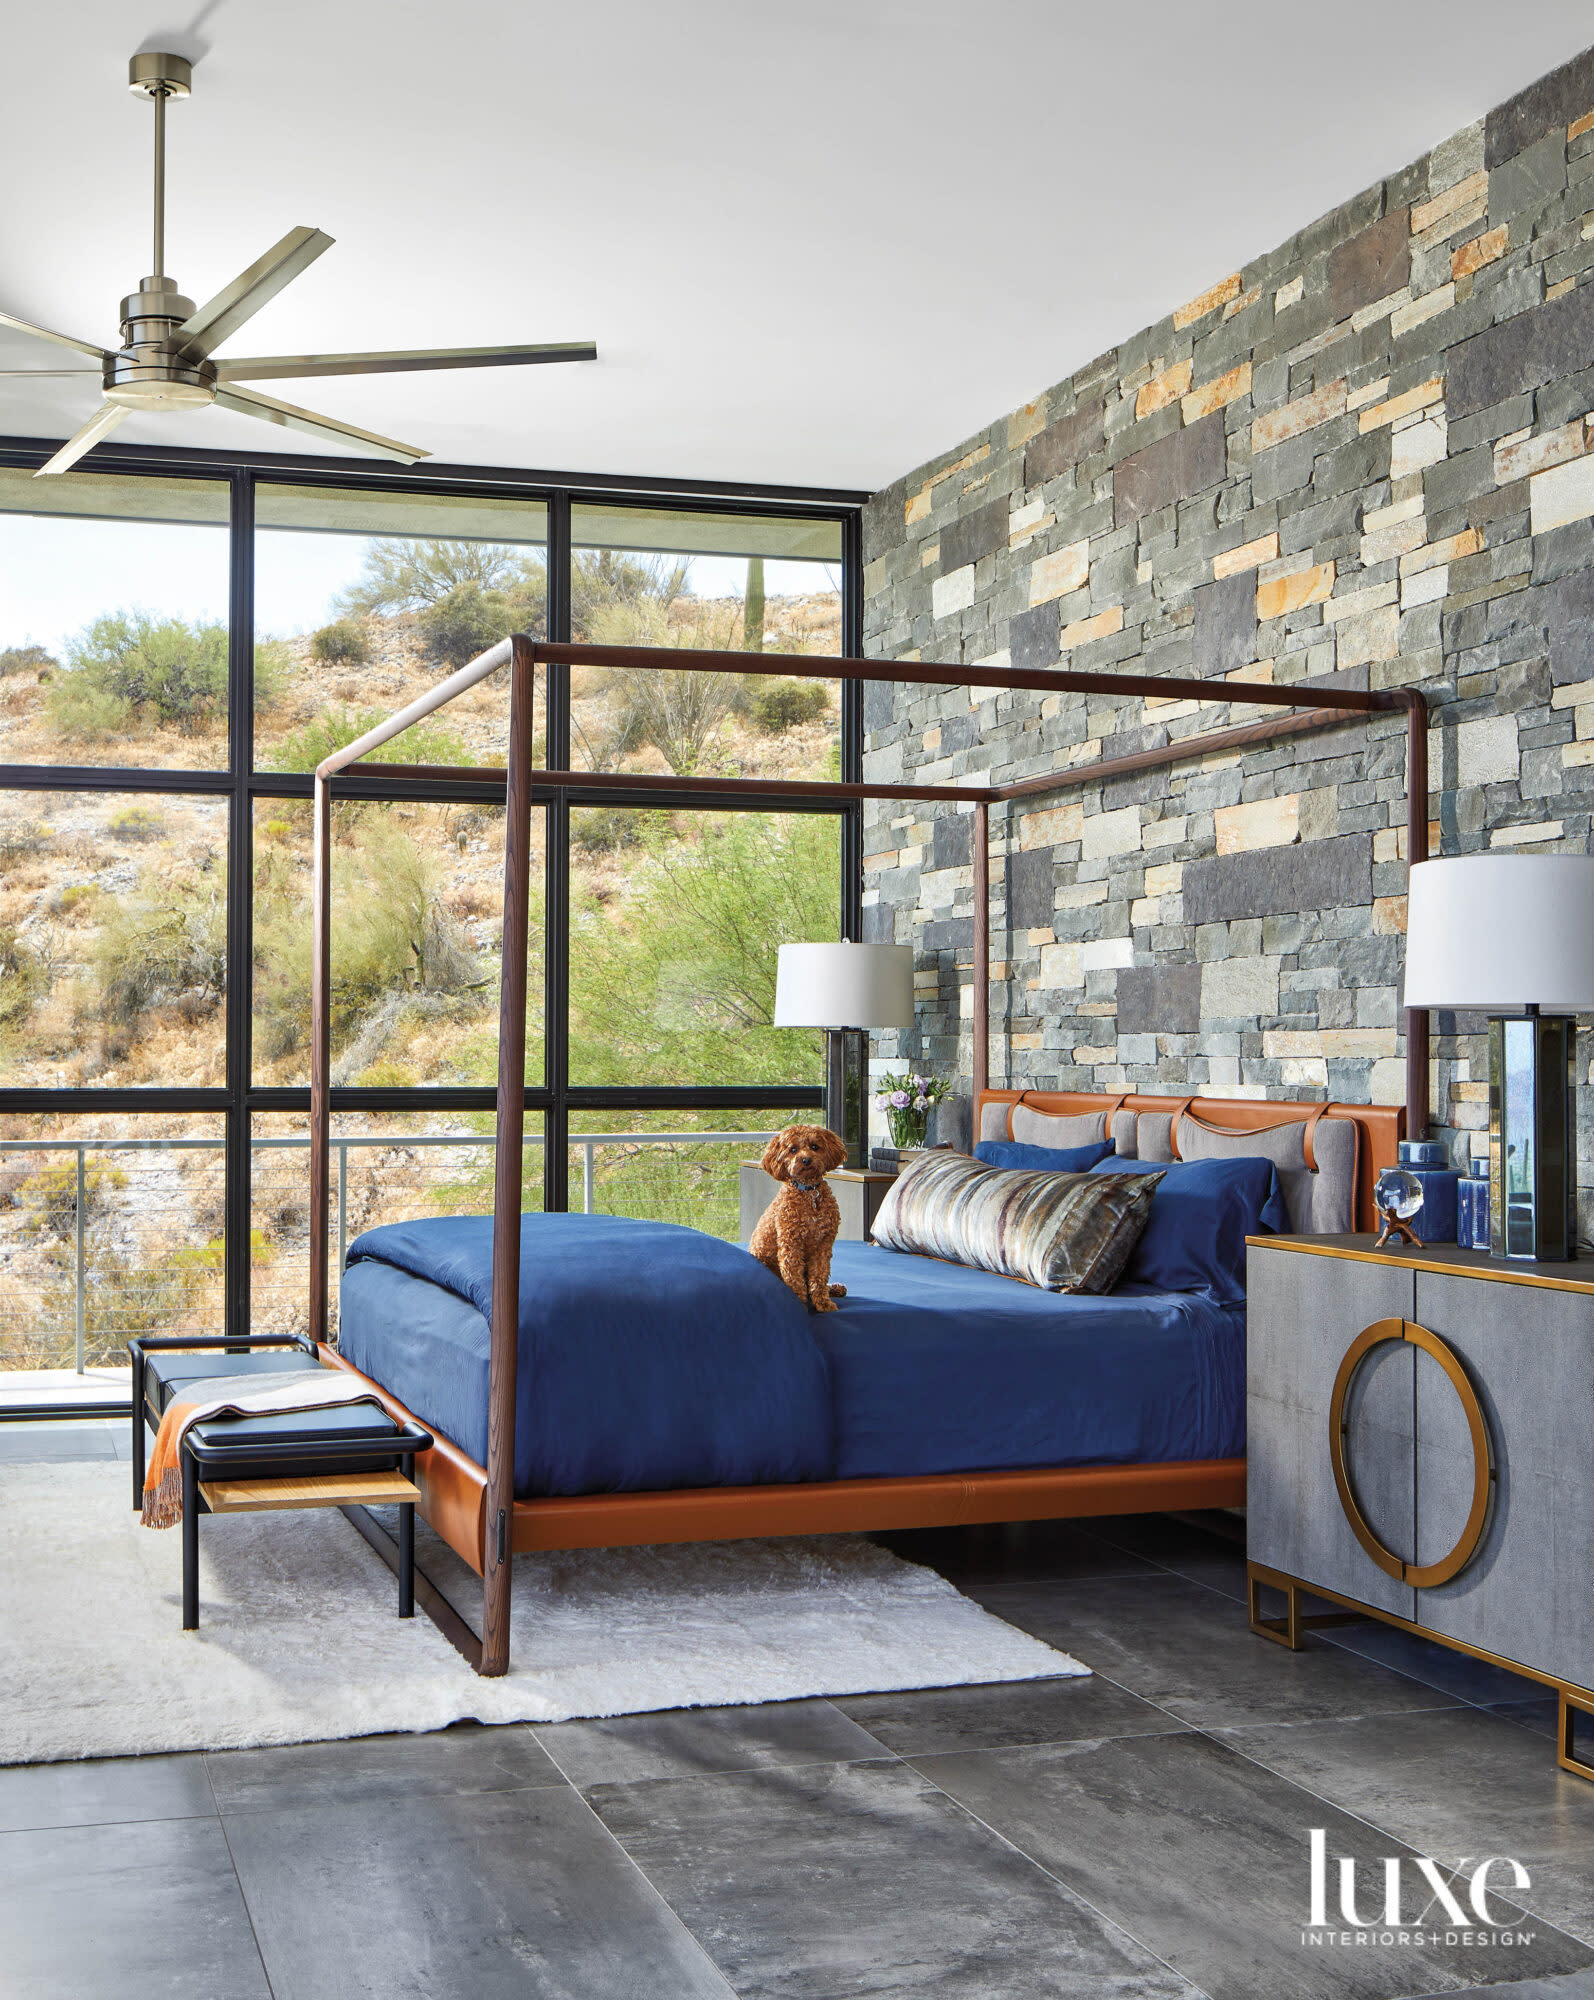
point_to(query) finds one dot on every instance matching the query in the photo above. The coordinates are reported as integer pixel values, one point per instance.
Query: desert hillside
(113, 929)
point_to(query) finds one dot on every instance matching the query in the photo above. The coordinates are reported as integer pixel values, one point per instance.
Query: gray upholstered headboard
(1328, 1155)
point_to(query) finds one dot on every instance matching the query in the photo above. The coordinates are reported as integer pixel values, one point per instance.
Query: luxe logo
(1437, 1893)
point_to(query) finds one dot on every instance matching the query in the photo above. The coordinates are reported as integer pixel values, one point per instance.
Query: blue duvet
(654, 1357)
(650, 1356)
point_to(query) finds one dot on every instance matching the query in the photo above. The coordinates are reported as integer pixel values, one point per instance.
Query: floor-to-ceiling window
(675, 910)
(180, 643)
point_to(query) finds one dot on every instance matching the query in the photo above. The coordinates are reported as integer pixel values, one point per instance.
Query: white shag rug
(300, 1640)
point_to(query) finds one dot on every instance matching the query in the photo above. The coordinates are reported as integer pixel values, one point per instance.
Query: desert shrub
(602, 829)
(606, 579)
(88, 713)
(465, 623)
(137, 823)
(681, 713)
(50, 1194)
(128, 669)
(24, 978)
(168, 940)
(343, 639)
(424, 743)
(386, 1074)
(469, 620)
(782, 705)
(20, 840)
(24, 660)
(273, 665)
(393, 943)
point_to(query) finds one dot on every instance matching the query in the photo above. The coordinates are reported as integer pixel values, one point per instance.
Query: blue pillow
(1200, 1217)
(1042, 1159)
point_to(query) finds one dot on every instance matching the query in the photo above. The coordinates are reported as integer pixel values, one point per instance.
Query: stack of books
(891, 1159)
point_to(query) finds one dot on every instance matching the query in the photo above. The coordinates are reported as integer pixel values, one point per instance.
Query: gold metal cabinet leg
(1285, 1631)
(1565, 1735)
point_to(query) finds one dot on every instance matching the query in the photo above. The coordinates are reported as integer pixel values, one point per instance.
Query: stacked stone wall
(1365, 455)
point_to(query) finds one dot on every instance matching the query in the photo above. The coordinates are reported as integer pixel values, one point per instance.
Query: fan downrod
(147, 372)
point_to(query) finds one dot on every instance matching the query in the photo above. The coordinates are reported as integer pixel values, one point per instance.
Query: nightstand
(859, 1192)
(1420, 1449)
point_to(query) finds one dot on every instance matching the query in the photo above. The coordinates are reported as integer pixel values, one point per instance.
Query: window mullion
(237, 1196)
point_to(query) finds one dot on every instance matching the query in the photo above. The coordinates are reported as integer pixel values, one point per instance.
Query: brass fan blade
(248, 404)
(249, 291)
(104, 420)
(60, 339)
(401, 360)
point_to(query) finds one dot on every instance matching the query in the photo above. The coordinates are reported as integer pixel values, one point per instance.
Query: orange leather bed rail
(452, 1488)
(851, 1506)
(1379, 1127)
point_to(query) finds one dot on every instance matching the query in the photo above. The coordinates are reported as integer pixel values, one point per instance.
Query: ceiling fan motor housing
(148, 373)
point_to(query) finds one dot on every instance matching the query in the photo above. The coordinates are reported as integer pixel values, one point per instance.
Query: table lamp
(1512, 936)
(846, 989)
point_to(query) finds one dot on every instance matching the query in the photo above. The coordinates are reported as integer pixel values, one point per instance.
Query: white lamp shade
(844, 986)
(1497, 933)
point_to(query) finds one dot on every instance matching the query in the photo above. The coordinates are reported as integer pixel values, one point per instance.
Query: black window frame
(552, 1101)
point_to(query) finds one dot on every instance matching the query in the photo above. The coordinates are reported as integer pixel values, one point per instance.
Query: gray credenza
(1457, 1395)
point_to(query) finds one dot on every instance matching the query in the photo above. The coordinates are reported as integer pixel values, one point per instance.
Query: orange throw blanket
(314, 1388)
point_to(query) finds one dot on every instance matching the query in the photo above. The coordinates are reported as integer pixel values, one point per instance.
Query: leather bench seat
(164, 1373)
(318, 1431)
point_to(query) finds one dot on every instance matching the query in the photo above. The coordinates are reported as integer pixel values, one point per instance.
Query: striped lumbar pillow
(1062, 1232)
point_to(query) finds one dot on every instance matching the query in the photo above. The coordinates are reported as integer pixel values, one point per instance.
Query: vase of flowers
(907, 1102)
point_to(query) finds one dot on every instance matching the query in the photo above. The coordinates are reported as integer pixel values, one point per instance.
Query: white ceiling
(815, 243)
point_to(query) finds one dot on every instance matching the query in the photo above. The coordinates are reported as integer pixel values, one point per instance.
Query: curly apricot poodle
(796, 1231)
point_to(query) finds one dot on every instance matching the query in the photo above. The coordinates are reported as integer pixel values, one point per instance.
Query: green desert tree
(666, 988)
(128, 670)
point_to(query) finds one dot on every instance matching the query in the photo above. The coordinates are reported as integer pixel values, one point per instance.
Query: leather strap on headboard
(1111, 1107)
(1313, 1113)
(1173, 1126)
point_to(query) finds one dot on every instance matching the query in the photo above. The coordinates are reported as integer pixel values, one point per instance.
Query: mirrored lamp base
(1532, 1137)
(847, 1090)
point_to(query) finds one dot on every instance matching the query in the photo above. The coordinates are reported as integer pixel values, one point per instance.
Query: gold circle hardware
(1421, 1576)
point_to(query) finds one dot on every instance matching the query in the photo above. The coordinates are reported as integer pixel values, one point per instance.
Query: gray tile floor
(1143, 1832)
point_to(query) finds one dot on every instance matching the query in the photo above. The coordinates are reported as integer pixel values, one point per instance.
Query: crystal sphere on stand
(1397, 1195)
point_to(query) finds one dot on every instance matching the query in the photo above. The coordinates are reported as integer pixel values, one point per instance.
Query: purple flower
(921, 1103)
(899, 1100)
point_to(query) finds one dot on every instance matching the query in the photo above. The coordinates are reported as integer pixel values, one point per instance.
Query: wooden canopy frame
(477, 1513)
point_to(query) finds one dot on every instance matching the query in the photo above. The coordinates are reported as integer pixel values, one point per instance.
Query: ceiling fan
(165, 360)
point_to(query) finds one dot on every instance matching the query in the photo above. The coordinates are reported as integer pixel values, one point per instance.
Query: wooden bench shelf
(267, 1496)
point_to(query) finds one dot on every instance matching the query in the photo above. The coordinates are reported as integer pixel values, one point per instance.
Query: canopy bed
(941, 1395)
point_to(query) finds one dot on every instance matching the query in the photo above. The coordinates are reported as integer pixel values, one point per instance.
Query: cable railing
(76, 1216)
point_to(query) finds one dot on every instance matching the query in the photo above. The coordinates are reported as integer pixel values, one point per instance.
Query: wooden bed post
(320, 1056)
(503, 1351)
(981, 1062)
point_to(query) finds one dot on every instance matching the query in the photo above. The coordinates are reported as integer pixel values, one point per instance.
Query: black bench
(349, 1454)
